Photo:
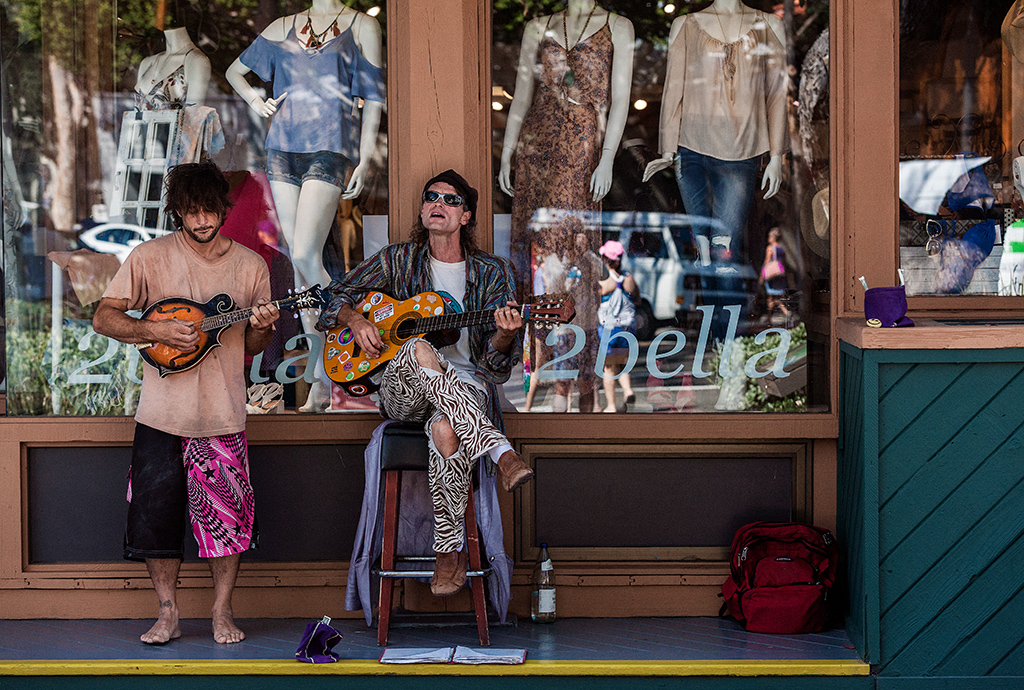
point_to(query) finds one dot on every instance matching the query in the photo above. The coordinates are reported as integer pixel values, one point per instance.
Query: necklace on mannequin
(316, 40)
(570, 76)
(729, 61)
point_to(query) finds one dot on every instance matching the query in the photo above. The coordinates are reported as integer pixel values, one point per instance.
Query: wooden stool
(404, 449)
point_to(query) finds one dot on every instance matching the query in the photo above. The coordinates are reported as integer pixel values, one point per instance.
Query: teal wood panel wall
(856, 527)
(946, 458)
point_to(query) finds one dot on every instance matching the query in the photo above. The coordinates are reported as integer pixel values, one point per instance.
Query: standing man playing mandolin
(190, 451)
(453, 394)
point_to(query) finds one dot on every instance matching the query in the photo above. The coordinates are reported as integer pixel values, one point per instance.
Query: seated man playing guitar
(190, 453)
(448, 392)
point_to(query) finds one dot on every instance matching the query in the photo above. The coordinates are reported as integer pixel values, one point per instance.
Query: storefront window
(666, 165)
(960, 145)
(100, 98)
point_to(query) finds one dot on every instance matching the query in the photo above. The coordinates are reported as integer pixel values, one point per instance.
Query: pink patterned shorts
(220, 499)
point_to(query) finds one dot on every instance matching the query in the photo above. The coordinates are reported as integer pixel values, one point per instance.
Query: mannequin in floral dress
(563, 131)
(565, 125)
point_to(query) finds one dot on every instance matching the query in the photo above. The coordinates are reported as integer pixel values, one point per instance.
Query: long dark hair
(192, 187)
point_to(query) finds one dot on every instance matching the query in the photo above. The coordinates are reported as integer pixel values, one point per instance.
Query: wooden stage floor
(569, 647)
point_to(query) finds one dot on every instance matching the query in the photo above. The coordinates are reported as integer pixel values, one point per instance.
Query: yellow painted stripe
(362, 667)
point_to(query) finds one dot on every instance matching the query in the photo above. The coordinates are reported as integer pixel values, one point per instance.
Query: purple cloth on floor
(888, 305)
(317, 642)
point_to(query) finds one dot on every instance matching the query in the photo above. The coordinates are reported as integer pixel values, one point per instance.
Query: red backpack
(781, 575)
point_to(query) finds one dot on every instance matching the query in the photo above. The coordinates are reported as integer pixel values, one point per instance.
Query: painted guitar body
(431, 315)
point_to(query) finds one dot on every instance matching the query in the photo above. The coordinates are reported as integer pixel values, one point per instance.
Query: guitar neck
(445, 322)
(211, 323)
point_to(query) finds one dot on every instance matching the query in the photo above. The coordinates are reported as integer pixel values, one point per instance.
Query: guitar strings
(211, 322)
(458, 320)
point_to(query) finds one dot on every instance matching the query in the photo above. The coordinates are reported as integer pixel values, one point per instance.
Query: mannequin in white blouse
(726, 21)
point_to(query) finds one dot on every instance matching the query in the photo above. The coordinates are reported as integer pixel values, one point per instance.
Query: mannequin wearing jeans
(724, 105)
(306, 200)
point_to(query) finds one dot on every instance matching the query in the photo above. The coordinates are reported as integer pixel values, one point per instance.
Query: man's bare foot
(224, 629)
(165, 629)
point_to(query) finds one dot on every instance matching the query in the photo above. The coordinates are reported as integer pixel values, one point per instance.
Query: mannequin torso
(179, 75)
(578, 24)
(728, 23)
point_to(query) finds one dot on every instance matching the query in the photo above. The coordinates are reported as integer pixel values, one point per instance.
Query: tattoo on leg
(166, 604)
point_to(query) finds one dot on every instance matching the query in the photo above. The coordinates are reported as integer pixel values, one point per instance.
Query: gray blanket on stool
(415, 532)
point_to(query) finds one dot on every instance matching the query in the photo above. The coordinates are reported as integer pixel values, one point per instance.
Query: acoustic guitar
(434, 315)
(210, 319)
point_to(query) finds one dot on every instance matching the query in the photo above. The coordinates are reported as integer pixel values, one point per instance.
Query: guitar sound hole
(407, 328)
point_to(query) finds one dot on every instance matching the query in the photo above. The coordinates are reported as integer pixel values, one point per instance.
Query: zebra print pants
(410, 394)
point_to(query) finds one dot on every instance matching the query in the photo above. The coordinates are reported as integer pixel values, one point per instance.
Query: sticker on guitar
(432, 315)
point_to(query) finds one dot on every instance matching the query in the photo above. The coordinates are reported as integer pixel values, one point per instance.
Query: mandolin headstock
(313, 298)
(551, 310)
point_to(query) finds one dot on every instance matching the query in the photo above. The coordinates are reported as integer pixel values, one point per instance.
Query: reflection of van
(669, 255)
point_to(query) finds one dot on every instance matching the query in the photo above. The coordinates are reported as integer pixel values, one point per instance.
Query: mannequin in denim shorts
(316, 136)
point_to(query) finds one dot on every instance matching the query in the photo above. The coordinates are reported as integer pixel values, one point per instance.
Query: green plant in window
(91, 373)
(28, 335)
(753, 397)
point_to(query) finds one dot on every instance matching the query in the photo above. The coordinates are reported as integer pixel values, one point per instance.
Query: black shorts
(158, 511)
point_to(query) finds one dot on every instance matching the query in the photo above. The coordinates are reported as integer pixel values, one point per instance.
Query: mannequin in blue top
(321, 62)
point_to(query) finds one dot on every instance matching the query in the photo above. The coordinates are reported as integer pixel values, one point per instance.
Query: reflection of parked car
(117, 238)
(670, 256)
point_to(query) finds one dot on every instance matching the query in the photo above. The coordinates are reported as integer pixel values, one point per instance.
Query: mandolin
(433, 315)
(210, 319)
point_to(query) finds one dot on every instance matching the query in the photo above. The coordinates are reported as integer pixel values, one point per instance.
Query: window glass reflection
(90, 125)
(677, 156)
(960, 66)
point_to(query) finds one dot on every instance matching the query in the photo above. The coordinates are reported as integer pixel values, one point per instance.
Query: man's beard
(200, 240)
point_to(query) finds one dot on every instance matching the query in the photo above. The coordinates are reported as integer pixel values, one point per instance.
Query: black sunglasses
(430, 196)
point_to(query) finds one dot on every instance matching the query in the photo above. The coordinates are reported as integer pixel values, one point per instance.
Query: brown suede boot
(512, 471)
(449, 573)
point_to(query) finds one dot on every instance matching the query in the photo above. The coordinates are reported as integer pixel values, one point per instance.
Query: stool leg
(476, 583)
(387, 556)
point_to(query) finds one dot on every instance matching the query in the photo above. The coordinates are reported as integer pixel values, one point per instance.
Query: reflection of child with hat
(616, 314)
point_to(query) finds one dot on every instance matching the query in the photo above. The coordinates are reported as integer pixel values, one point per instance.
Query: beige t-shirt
(727, 101)
(208, 399)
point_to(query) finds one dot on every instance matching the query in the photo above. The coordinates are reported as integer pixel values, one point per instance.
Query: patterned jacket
(403, 270)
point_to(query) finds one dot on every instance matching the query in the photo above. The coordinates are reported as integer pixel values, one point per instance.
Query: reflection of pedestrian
(616, 314)
(541, 352)
(773, 273)
(579, 272)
